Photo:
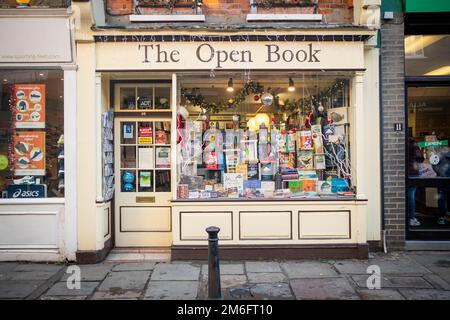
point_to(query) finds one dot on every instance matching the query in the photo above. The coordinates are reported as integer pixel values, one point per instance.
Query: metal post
(214, 290)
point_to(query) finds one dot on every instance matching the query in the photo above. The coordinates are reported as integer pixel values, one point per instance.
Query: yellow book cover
(242, 168)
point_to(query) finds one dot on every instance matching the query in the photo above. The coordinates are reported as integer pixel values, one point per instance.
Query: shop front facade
(268, 130)
(415, 79)
(37, 148)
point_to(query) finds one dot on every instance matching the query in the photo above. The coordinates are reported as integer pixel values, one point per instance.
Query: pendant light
(291, 87)
(230, 85)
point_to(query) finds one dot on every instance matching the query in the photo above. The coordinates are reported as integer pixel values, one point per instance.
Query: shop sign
(230, 55)
(145, 135)
(30, 105)
(17, 191)
(29, 153)
(429, 144)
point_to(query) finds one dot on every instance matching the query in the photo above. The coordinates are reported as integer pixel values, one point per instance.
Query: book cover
(319, 160)
(242, 168)
(252, 171)
(305, 160)
(309, 185)
(162, 157)
(305, 140)
(295, 186)
(160, 137)
(233, 181)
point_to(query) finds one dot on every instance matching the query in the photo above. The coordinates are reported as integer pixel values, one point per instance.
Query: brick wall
(236, 10)
(393, 100)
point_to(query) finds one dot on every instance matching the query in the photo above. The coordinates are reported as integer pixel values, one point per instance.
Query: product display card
(162, 157)
(29, 153)
(30, 105)
(234, 180)
(145, 179)
(145, 158)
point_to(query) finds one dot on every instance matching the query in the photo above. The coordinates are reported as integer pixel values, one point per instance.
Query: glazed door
(143, 182)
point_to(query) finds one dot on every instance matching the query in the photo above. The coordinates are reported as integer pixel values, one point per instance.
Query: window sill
(167, 18)
(32, 201)
(283, 17)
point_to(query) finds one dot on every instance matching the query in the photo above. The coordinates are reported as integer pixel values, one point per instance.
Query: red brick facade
(333, 10)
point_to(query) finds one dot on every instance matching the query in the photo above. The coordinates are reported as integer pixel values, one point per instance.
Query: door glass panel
(162, 157)
(128, 180)
(162, 132)
(128, 134)
(145, 98)
(162, 98)
(128, 157)
(127, 98)
(145, 181)
(145, 133)
(162, 181)
(146, 158)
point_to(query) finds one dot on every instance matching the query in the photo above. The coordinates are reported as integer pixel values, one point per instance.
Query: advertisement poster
(145, 135)
(30, 105)
(29, 153)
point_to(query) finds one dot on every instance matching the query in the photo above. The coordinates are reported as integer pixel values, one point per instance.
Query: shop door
(143, 182)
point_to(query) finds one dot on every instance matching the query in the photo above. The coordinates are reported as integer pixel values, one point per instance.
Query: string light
(291, 87)
(230, 85)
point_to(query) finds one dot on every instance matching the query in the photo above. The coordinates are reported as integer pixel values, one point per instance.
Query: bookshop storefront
(273, 139)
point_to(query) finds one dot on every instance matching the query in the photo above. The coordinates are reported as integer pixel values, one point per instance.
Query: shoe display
(414, 222)
(441, 221)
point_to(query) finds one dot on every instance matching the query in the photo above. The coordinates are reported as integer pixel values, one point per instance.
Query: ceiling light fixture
(230, 85)
(291, 85)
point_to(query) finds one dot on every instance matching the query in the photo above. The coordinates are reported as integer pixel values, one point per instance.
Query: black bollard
(214, 290)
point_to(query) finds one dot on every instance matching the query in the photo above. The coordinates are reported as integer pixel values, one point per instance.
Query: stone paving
(404, 275)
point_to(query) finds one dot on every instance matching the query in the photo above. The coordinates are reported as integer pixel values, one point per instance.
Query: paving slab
(230, 268)
(125, 280)
(38, 267)
(174, 272)
(44, 297)
(400, 264)
(323, 289)
(395, 282)
(437, 282)
(381, 294)
(272, 291)
(7, 266)
(437, 262)
(91, 272)
(61, 289)
(17, 289)
(308, 269)
(171, 290)
(262, 266)
(425, 294)
(258, 277)
(134, 266)
(232, 280)
(117, 294)
(29, 275)
(351, 266)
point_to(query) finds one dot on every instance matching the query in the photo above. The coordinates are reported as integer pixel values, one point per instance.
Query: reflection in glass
(427, 55)
(128, 157)
(162, 98)
(162, 181)
(127, 98)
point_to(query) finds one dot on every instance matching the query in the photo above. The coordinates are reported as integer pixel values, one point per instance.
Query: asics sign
(26, 191)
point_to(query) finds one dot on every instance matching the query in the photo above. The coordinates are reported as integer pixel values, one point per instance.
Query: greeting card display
(29, 105)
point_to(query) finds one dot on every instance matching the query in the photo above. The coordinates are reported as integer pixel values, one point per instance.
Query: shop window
(427, 55)
(428, 157)
(32, 134)
(266, 137)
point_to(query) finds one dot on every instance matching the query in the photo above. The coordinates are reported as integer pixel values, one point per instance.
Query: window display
(32, 134)
(263, 139)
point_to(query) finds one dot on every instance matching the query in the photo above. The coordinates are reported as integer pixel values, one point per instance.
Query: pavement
(398, 276)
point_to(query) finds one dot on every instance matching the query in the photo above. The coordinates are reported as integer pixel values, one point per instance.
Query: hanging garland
(302, 105)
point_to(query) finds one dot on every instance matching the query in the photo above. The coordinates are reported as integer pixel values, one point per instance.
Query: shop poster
(29, 153)
(145, 135)
(30, 106)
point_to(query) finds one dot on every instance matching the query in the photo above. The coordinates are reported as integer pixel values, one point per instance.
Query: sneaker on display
(441, 221)
(414, 222)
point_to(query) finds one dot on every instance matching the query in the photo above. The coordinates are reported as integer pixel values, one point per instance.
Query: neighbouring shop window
(429, 156)
(268, 136)
(427, 55)
(32, 134)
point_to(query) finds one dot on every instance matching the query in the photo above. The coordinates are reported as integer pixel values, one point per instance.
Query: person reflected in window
(415, 158)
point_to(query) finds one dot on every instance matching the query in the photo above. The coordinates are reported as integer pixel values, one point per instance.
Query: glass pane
(146, 157)
(162, 157)
(427, 55)
(32, 160)
(145, 98)
(162, 98)
(128, 133)
(162, 181)
(145, 134)
(128, 157)
(429, 132)
(128, 180)
(428, 208)
(145, 181)
(162, 132)
(127, 98)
